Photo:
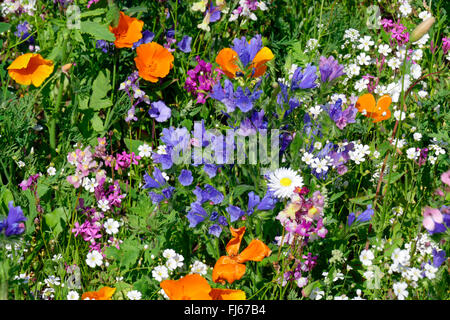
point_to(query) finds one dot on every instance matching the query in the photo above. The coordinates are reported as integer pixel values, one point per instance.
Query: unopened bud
(422, 29)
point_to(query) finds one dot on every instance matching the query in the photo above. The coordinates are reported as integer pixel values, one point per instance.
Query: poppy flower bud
(65, 68)
(422, 29)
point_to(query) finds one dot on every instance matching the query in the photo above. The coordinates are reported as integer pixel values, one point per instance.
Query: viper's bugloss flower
(13, 224)
(30, 68)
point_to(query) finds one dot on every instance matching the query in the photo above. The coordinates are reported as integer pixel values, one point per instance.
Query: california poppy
(30, 68)
(153, 61)
(195, 287)
(128, 31)
(377, 111)
(232, 267)
(251, 54)
(104, 293)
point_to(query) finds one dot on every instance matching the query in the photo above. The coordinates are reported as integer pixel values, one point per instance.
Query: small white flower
(405, 9)
(302, 281)
(94, 258)
(111, 226)
(160, 273)
(169, 253)
(316, 294)
(412, 153)
(416, 71)
(103, 205)
(308, 158)
(424, 15)
(361, 84)
(417, 55)
(199, 267)
(417, 136)
(365, 43)
(397, 114)
(51, 171)
(366, 257)
(394, 63)
(21, 164)
(73, 295)
(384, 49)
(363, 59)
(134, 295)
(145, 151)
(315, 111)
(422, 93)
(400, 290)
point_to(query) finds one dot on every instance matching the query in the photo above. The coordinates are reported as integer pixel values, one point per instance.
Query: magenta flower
(201, 80)
(433, 220)
(445, 45)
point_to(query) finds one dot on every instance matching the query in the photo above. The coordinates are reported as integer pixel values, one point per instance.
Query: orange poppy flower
(376, 110)
(232, 267)
(128, 31)
(153, 61)
(30, 68)
(104, 293)
(227, 60)
(195, 287)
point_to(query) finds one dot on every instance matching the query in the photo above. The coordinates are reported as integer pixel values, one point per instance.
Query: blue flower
(304, 80)
(268, 202)
(247, 50)
(185, 177)
(234, 212)
(160, 111)
(196, 215)
(147, 37)
(13, 224)
(185, 44)
(215, 230)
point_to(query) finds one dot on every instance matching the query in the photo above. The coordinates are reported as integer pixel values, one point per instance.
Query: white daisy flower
(283, 182)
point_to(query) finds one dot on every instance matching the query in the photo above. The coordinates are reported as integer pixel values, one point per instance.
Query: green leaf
(113, 15)
(97, 123)
(131, 11)
(100, 89)
(364, 200)
(97, 30)
(241, 189)
(4, 27)
(93, 13)
(336, 196)
(56, 220)
(133, 145)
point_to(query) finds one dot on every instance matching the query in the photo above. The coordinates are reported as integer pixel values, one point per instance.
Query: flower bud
(422, 29)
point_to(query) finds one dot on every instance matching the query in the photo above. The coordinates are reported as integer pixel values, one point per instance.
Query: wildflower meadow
(224, 150)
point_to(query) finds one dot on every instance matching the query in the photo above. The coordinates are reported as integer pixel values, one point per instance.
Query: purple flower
(253, 201)
(351, 218)
(160, 111)
(13, 224)
(223, 221)
(104, 45)
(250, 126)
(341, 118)
(147, 37)
(185, 44)
(185, 177)
(247, 50)
(234, 212)
(243, 99)
(330, 69)
(156, 198)
(167, 192)
(268, 202)
(215, 230)
(201, 80)
(438, 258)
(304, 80)
(196, 215)
(445, 45)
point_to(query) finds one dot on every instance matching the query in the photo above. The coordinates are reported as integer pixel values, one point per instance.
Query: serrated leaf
(137, 9)
(97, 30)
(113, 15)
(93, 13)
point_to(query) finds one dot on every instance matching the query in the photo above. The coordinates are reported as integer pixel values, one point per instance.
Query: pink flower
(431, 217)
(445, 177)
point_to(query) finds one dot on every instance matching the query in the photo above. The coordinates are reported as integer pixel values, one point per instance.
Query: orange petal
(153, 61)
(190, 287)
(259, 61)
(234, 244)
(256, 251)
(30, 68)
(227, 59)
(366, 103)
(128, 31)
(227, 269)
(104, 293)
(227, 294)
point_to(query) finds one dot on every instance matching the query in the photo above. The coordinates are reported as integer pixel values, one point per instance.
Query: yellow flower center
(285, 182)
